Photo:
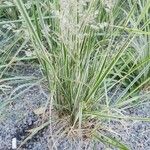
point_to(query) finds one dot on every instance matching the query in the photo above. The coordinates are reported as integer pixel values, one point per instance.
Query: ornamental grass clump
(83, 48)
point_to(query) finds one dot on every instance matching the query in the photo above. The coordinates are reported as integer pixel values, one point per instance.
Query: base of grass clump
(59, 133)
(62, 135)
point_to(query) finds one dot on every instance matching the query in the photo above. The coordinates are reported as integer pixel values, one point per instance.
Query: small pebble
(14, 143)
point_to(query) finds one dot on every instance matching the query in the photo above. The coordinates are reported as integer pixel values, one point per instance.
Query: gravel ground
(19, 117)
